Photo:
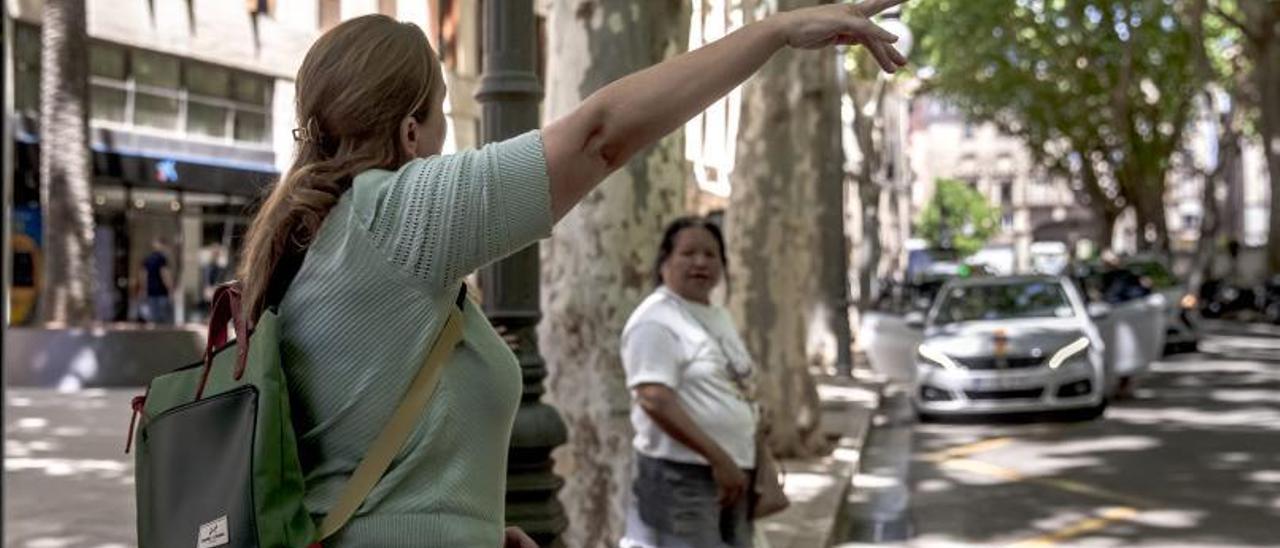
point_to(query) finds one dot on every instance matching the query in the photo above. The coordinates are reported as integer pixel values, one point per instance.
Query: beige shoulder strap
(396, 431)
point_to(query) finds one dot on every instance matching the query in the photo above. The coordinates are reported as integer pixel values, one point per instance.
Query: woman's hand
(731, 481)
(514, 537)
(843, 24)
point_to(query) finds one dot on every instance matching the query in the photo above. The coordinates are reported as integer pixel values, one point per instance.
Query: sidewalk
(818, 486)
(69, 483)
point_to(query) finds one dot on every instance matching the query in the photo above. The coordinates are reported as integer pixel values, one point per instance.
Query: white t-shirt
(690, 348)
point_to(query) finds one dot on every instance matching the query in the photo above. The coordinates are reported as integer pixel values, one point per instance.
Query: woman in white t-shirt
(690, 377)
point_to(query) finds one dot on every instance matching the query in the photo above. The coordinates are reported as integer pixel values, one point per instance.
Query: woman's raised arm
(634, 112)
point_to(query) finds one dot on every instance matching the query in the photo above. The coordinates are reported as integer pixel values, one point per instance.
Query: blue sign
(167, 171)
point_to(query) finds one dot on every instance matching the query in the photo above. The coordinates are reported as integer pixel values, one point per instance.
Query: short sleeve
(651, 355)
(441, 218)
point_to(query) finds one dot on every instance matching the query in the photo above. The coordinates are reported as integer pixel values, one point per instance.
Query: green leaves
(1068, 76)
(958, 217)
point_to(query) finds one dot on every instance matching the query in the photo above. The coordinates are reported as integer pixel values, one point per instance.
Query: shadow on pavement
(1195, 455)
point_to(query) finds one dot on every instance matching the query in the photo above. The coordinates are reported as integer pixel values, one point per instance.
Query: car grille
(993, 363)
(1025, 394)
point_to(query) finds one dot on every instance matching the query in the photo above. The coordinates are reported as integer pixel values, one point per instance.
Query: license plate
(1003, 383)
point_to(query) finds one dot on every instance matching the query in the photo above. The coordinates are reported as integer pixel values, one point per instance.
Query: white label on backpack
(213, 534)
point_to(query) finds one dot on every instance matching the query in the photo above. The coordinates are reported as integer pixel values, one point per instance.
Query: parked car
(1225, 299)
(1011, 344)
(1269, 299)
(1135, 330)
(1181, 333)
(884, 335)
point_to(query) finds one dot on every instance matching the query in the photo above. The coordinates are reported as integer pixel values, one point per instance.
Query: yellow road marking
(969, 449)
(1008, 474)
(955, 458)
(1104, 519)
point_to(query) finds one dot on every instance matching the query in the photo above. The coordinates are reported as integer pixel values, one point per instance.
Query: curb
(819, 486)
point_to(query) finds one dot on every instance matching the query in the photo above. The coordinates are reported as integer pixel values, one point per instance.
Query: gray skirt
(675, 505)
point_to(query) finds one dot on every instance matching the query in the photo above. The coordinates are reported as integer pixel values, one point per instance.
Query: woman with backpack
(380, 230)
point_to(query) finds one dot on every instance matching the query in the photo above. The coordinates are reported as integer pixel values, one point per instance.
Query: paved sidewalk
(67, 480)
(818, 486)
(69, 484)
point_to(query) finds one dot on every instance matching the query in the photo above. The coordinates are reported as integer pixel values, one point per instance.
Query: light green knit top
(372, 294)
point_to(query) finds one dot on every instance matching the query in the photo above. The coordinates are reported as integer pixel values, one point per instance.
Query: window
(999, 300)
(156, 70)
(108, 101)
(135, 88)
(330, 13)
(208, 89)
(158, 80)
(1006, 193)
(26, 57)
(250, 90)
(252, 127)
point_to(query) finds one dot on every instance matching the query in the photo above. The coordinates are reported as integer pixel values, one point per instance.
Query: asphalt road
(1192, 460)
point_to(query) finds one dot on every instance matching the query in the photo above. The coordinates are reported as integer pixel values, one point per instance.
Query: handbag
(768, 496)
(768, 483)
(217, 458)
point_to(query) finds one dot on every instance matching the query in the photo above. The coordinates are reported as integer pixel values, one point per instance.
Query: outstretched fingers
(879, 43)
(873, 7)
(877, 50)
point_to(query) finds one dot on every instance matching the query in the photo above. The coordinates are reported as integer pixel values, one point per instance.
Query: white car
(1011, 344)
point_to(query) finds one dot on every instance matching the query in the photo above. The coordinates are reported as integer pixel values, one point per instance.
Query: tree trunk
(830, 319)
(1228, 168)
(67, 210)
(869, 255)
(596, 264)
(772, 233)
(1149, 209)
(1266, 73)
(1103, 207)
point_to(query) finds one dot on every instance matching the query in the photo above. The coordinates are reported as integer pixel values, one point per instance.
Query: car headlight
(1067, 352)
(936, 356)
(1189, 301)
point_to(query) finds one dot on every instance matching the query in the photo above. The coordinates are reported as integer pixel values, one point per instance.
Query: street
(1192, 460)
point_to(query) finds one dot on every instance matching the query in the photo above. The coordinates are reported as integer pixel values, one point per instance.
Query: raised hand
(844, 24)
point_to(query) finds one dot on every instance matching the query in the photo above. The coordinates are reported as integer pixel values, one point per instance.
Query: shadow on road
(1193, 459)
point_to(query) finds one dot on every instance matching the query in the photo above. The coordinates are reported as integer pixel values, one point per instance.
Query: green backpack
(217, 457)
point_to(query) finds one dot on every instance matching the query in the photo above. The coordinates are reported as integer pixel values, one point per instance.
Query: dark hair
(668, 245)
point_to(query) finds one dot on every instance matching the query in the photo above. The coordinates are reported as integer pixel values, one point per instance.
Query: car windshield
(1004, 301)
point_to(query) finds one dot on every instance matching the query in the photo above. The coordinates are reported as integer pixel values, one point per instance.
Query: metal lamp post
(509, 93)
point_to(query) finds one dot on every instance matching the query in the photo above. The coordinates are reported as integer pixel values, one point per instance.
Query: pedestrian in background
(691, 380)
(376, 229)
(213, 271)
(154, 296)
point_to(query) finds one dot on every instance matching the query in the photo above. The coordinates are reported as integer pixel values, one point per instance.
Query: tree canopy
(1100, 90)
(958, 217)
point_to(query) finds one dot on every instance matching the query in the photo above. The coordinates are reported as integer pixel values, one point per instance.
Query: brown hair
(355, 86)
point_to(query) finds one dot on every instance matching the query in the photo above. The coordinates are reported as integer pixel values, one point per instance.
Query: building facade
(191, 117)
(1033, 206)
